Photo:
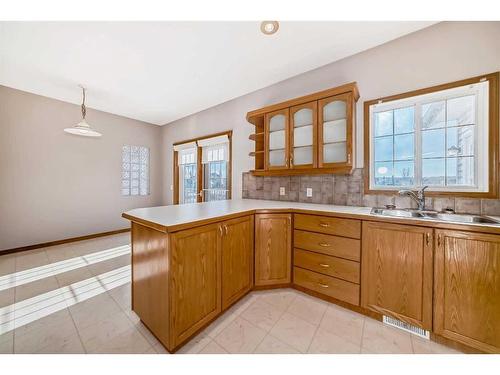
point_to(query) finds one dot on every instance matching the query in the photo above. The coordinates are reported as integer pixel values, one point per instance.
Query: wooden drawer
(342, 247)
(332, 266)
(327, 285)
(328, 225)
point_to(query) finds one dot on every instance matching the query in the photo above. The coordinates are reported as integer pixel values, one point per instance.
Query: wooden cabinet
(396, 272)
(310, 134)
(237, 259)
(335, 131)
(273, 249)
(277, 138)
(326, 285)
(211, 268)
(195, 284)
(303, 140)
(467, 288)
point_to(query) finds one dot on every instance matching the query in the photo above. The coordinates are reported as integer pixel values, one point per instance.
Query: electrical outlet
(282, 190)
(309, 192)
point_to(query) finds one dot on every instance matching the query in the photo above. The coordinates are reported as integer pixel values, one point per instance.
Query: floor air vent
(407, 327)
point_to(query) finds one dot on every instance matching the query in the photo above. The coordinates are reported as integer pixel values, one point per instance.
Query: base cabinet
(467, 288)
(273, 249)
(195, 280)
(237, 259)
(396, 272)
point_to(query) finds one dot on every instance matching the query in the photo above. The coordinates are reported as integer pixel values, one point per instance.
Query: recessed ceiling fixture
(82, 128)
(269, 27)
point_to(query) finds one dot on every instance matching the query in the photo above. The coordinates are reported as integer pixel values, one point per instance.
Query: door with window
(203, 169)
(186, 173)
(215, 168)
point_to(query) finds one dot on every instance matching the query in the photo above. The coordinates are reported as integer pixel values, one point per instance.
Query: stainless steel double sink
(434, 215)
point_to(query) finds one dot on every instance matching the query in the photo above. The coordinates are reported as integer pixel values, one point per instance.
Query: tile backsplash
(347, 190)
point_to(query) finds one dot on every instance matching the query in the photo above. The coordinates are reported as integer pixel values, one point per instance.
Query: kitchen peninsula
(191, 262)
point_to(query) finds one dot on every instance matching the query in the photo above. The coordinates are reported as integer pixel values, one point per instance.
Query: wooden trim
(60, 242)
(253, 116)
(199, 175)
(494, 98)
(227, 132)
(176, 177)
(199, 171)
(269, 287)
(308, 171)
(230, 167)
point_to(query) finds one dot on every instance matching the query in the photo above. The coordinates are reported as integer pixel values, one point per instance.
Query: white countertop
(175, 215)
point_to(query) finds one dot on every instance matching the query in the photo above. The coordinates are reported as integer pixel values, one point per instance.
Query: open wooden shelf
(256, 136)
(255, 153)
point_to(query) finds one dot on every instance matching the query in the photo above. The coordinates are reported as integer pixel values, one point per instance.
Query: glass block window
(135, 170)
(438, 140)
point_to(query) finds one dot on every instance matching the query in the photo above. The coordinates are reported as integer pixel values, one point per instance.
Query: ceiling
(159, 72)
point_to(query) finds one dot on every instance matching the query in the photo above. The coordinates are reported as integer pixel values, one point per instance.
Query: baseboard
(60, 242)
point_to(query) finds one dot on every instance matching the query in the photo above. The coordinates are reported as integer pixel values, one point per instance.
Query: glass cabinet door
(277, 139)
(335, 130)
(303, 135)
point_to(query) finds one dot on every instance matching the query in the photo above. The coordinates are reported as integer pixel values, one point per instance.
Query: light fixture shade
(82, 128)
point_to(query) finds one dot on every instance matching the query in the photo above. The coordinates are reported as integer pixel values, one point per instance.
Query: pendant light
(82, 128)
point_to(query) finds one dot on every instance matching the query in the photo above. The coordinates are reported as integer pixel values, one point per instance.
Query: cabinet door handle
(220, 230)
(324, 265)
(440, 238)
(428, 238)
(349, 158)
(324, 225)
(324, 244)
(323, 285)
(225, 229)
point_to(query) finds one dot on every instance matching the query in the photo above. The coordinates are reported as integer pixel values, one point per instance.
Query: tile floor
(75, 298)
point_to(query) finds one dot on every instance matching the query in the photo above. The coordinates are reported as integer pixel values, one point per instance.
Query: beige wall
(54, 185)
(441, 53)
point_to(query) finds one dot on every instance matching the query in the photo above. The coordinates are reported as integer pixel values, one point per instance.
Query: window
(188, 172)
(438, 139)
(135, 170)
(215, 158)
(202, 169)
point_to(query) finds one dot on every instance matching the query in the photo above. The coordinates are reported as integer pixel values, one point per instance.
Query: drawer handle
(324, 225)
(323, 285)
(324, 265)
(324, 244)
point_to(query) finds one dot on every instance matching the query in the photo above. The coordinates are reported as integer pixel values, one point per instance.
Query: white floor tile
(240, 336)
(271, 345)
(294, 331)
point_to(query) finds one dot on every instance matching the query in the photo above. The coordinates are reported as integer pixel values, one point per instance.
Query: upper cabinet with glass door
(303, 135)
(311, 134)
(335, 129)
(276, 144)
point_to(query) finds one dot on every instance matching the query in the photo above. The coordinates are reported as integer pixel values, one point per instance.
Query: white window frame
(481, 152)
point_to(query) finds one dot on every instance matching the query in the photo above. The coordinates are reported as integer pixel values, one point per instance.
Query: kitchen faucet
(418, 197)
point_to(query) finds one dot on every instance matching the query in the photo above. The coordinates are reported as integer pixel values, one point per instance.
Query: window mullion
(418, 145)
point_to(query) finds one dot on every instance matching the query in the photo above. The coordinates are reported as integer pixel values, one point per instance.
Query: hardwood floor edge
(60, 242)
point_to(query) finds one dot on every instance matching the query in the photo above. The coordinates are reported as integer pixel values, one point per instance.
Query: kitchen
(338, 194)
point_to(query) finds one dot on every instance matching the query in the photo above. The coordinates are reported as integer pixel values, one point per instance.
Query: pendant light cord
(84, 110)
